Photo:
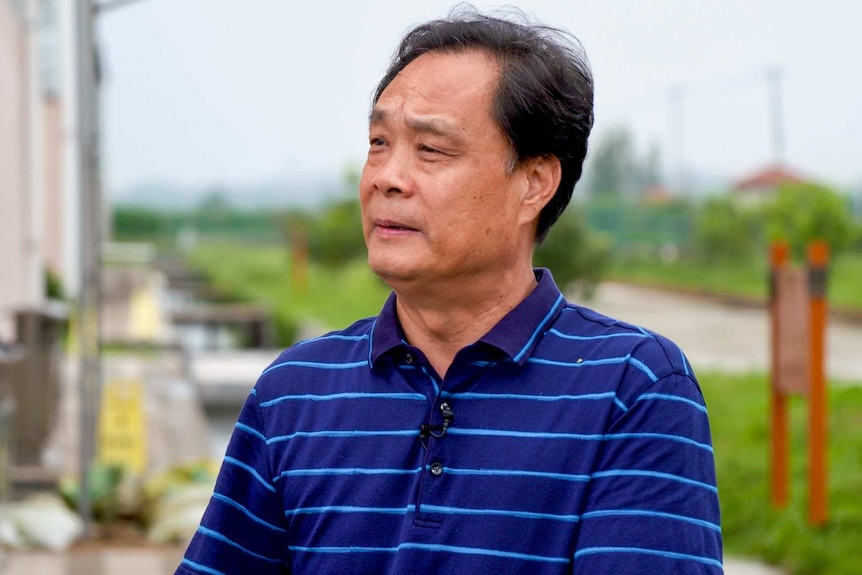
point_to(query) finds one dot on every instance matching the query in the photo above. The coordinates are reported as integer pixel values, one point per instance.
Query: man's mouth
(395, 226)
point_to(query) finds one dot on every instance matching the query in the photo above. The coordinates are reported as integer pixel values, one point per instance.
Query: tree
(577, 257)
(726, 231)
(335, 235)
(615, 169)
(800, 213)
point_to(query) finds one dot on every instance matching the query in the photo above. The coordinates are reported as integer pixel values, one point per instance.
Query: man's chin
(393, 273)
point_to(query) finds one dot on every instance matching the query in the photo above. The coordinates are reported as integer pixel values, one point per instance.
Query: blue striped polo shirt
(575, 444)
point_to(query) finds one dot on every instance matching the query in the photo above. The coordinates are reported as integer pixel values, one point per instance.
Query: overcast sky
(207, 91)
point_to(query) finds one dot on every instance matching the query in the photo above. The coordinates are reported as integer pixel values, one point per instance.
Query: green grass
(264, 274)
(740, 279)
(739, 416)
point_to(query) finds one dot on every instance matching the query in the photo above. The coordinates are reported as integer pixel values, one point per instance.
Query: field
(738, 414)
(748, 280)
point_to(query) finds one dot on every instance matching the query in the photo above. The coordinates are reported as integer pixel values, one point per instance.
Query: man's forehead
(433, 123)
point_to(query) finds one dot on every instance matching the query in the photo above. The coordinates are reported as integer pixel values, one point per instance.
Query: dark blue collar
(516, 335)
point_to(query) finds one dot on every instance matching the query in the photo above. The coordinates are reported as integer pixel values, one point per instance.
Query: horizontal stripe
(656, 474)
(603, 361)
(316, 365)
(333, 336)
(579, 436)
(447, 510)
(645, 513)
(219, 537)
(345, 395)
(668, 436)
(250, 430)
(525, 434)
(250, 469)
(202, 568)
(344, 471)
(349, 509)
(247, 512)
(345, 433)
(434, 548)
(584, 396)
(443, 510)
(558, 333)
(656, 552)
(517, 473)
(671, 397)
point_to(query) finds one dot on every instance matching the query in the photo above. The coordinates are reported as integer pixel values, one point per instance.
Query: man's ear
(542, 176)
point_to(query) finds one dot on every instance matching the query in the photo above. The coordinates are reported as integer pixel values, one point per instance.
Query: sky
(208, 92)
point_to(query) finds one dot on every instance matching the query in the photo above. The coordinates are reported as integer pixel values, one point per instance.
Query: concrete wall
(16, 287)
(38, 215)
(55, 200)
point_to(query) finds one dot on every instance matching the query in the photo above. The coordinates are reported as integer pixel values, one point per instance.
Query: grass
(740, 279)
(739, 416)
(265, 275)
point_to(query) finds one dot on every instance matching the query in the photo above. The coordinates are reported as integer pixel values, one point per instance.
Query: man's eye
(376, 142)
(429, 149)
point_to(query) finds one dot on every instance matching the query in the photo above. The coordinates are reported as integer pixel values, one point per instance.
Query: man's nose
(392, 175)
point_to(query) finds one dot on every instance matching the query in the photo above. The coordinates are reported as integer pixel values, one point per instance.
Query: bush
(578, 258)
(726, 231)
(799, 214)
(335, 236)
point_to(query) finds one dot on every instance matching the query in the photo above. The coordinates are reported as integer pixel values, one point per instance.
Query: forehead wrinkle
(429, 124)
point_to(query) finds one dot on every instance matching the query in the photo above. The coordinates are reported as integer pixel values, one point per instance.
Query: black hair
(544, 97)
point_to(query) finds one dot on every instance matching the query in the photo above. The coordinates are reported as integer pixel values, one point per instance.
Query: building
(39, 230)
(762, 183)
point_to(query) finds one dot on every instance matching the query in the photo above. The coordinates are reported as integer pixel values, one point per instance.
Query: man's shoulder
(609, 337)
(336, 350)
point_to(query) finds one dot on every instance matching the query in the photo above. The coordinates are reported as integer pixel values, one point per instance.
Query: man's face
(438, 199)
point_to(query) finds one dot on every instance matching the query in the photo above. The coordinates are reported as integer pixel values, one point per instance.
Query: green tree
(577, 257)
(801, 213)
(335, 235)
(726, 231)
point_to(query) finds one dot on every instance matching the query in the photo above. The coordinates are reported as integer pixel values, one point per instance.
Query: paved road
(720, 336)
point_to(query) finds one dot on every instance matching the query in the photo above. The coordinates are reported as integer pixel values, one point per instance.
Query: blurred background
(177, 203)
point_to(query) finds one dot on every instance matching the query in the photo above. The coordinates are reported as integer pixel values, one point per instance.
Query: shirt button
(436, 469)
(408, 358)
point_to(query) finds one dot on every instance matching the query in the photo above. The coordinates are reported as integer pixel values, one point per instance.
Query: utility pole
(677, 133)
(776, 117)
(91, 239)
(90, 185)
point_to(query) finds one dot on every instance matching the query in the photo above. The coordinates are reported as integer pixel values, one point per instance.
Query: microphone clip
(437, 431)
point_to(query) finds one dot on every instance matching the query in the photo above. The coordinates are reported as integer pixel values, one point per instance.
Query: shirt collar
(516, 335)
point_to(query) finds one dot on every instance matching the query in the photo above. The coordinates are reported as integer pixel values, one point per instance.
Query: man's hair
(544, 97)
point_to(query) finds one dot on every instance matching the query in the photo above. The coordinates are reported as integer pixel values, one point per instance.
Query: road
(721, 336)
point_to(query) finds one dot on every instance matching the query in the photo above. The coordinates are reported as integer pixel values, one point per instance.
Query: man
(480, 423)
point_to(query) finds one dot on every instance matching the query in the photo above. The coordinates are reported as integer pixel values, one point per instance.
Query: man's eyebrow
(428, 124)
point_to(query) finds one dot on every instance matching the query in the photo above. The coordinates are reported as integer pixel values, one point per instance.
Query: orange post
(818, 261)
(779, 257)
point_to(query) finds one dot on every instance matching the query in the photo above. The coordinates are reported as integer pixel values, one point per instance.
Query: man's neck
(441, 320)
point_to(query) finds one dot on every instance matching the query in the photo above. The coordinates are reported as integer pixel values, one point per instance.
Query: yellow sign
(123, 424)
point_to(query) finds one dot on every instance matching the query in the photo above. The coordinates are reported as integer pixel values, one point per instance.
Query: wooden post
(779, 257)
(818, 260)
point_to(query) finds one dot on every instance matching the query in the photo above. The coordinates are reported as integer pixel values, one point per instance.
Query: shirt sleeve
(243, 528)
(653, 501)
